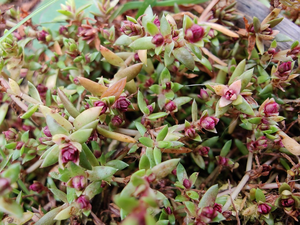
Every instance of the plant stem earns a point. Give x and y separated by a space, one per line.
242 183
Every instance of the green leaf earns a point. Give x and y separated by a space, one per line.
185 57
144 162
93 189
140 128
226 148
181 173
118 164
157 155
12 172
52 157
208 199
86 117
11 207
81 135
152 28
30 111
101 173
156 116
165 27
143 43
238 71
59 194
148 142
220 111
142 104
3 112
244 107
193 195
54 127
111 57
199 160
239 144
191 207
259 196
165 168
48 218
33 92
125 202
162 134
181 100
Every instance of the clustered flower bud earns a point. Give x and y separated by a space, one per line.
42 89
190 132
37 187
88 32
208 122
46 131
203 150
122 104
41 36
218 207
170 106
116 121
150 107
208 213
203 94
284 70
69 153
131 29
101 104
194 34
264 208
271 109
223 161
259 144
79 182
289 202
158 40
10 134
84 202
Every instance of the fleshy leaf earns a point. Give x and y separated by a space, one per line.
116 89
111 57
208 199
185 57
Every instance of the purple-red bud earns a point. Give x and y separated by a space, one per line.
264 208
10 134
41 36
63 30
4 185
208 122
203 151
174 172
19 145
209 212
46 131
218 207
116 121
84 202
150 107
151 178
79 182
158 40
187 183
285 67
190 132
223 161
194 34
289 202
122 104
69 153
156 22
203 94
168 86
170 106
168 210
271 109
37 187
101 104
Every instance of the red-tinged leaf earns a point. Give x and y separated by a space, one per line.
176 150
116 89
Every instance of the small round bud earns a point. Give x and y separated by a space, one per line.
158 40
194 34
170 106
187 183
264 208
37 187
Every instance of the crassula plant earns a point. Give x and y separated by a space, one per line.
165 114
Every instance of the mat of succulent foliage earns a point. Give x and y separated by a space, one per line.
169 115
